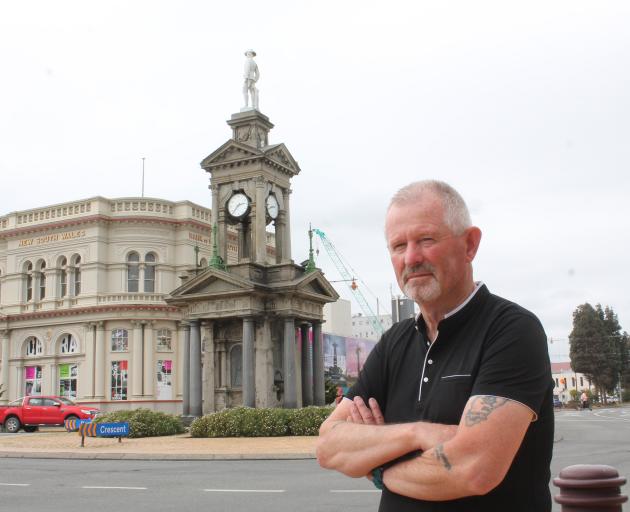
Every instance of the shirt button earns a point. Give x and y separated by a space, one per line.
426 379
430 361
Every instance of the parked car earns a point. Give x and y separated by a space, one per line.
556 402
30 412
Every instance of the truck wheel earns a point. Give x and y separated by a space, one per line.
72 417
31 428
12 425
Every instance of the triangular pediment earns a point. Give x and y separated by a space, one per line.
231 151
315 283
281 155
210 282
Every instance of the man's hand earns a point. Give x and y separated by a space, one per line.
364 415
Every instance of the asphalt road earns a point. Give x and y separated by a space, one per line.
598 437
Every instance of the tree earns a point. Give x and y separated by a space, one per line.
592 346
619 345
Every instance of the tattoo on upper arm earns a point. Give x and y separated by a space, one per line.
441 456
481 407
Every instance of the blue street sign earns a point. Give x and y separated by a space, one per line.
112 430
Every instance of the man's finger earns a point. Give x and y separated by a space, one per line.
354 412
364 410
376 412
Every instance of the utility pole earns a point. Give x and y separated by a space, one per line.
142 176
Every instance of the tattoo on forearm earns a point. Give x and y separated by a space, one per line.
441 456
481 407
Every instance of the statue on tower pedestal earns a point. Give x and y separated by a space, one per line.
250 77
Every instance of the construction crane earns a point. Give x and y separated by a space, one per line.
349 279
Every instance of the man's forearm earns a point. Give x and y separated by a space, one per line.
355 449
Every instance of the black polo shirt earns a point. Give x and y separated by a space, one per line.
489 347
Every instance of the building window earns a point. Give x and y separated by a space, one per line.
120 340
133 271
557 385
77 274
63 277
203 263
149 272
34 347
119 380
164 340
68 344
32 380
236 366
42 280
68 374
29 280
573 381
164 388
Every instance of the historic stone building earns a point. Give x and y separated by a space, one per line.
136 302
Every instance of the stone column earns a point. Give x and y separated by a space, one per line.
70 282
280 227
286 234
249 390
223 365
265 394
185 326
86 374
102 376
208 366
149 363
260 222
4 365
53 380
307 366
290 385
136 360
319 396
195 369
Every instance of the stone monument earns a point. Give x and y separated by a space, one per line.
244 316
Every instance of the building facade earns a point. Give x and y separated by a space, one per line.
82 310
565 380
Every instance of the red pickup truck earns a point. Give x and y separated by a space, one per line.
30 412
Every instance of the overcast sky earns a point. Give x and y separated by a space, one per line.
523 107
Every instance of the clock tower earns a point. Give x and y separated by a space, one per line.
250 181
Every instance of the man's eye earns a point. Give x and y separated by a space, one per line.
427 241
398 248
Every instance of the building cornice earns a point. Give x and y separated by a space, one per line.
60 313
95 219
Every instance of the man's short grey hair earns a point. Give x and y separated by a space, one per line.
456 215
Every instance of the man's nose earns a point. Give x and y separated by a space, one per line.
413 254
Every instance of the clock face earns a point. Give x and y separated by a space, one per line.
272 206
238 205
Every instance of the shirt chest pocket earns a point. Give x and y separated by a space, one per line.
454 392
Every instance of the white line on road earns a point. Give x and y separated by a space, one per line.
244 490
14 485
355 490
106 487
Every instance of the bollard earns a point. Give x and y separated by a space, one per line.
590 488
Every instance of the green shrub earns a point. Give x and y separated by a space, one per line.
145 423
248 422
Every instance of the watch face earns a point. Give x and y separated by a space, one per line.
238 205
272 206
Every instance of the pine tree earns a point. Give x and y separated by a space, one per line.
592 350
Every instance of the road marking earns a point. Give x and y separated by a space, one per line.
355 490
14 485
244 490
106 487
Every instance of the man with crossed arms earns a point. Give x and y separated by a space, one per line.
453 410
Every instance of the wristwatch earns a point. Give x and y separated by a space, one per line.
377 478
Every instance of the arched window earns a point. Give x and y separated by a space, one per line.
120 340
34 347
76 262
133 271
203 263
42 279
28 270
164 339
149 272
68 344
236 366
63 277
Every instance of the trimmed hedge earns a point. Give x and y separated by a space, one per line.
249 422
145 423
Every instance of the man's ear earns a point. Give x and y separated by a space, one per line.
472 238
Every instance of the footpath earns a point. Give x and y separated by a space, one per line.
60 444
